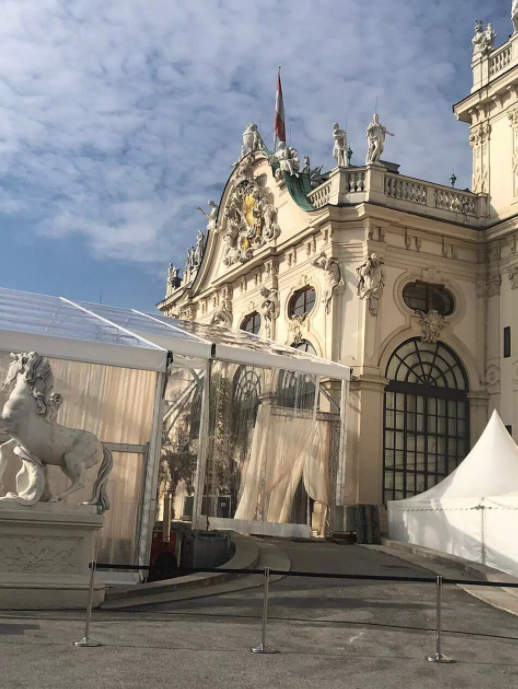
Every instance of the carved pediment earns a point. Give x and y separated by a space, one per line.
250 221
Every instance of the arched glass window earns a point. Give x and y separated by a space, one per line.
294 389
302 302
426 418
252 323
421 296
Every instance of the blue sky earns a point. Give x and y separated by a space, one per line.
119 117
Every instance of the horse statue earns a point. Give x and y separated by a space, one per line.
29 417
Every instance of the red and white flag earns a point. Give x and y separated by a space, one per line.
279 127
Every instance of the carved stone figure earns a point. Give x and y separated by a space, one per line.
287 158
37 440
172 273
483 41
250 221
376 134
371 281
199 249
295 329
432 324
332 277
223 316
252 141
269 308
307 165
514 15
340 147
212 215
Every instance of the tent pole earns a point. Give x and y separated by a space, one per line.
203 446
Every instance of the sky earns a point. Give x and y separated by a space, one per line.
119 117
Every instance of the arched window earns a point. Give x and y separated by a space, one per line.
297 390
421 296
426 419
302 302
252 323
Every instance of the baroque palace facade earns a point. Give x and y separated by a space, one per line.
412 284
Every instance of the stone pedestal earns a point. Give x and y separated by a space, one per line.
44 555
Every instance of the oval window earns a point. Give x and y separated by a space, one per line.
302 302
421 296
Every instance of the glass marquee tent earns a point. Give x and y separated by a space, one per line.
233 425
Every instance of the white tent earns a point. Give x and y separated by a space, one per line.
473 513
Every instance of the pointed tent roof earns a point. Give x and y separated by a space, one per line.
490 470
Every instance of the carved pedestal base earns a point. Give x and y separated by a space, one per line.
44 555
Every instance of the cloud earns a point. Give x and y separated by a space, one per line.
119 117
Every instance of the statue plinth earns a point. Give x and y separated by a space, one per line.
45 551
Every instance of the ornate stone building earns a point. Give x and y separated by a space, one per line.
412 284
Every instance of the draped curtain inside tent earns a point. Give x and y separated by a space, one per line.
116 404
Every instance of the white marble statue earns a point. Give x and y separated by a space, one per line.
199 249
252 141
269 308
307 165
212 215
37 440
332 277
376 134
340 147
287 158
514 15
483 41
172 273
371 281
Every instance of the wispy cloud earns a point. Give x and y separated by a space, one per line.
119 117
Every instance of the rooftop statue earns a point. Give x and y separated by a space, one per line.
252 141
514 15
29 417
340 147
483 41
212 215
288 159
376 134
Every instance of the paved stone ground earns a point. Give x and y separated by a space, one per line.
330 634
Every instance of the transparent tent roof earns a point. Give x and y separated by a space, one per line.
59 327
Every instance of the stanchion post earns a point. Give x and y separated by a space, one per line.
438 656
86 641
263 646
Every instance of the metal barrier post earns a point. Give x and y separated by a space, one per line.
438 657
86 641
263 646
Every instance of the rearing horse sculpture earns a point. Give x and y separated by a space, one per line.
28 417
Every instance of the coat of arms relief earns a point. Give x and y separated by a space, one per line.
250 221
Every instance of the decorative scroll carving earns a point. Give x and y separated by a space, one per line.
36 555
479 141
432 324
493 375
269 308
371 281
251 221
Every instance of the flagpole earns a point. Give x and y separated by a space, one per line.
275 140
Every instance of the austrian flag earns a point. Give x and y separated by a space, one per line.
279 124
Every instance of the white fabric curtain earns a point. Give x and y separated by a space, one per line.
116 404
286 447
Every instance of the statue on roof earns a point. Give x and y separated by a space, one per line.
252 141
483 41
288 159
376 134
514 15
212 215
199 249
340 147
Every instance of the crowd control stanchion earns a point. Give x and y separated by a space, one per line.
263 646
438 657
86 641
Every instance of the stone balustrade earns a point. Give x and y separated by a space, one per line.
500 59
374 183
